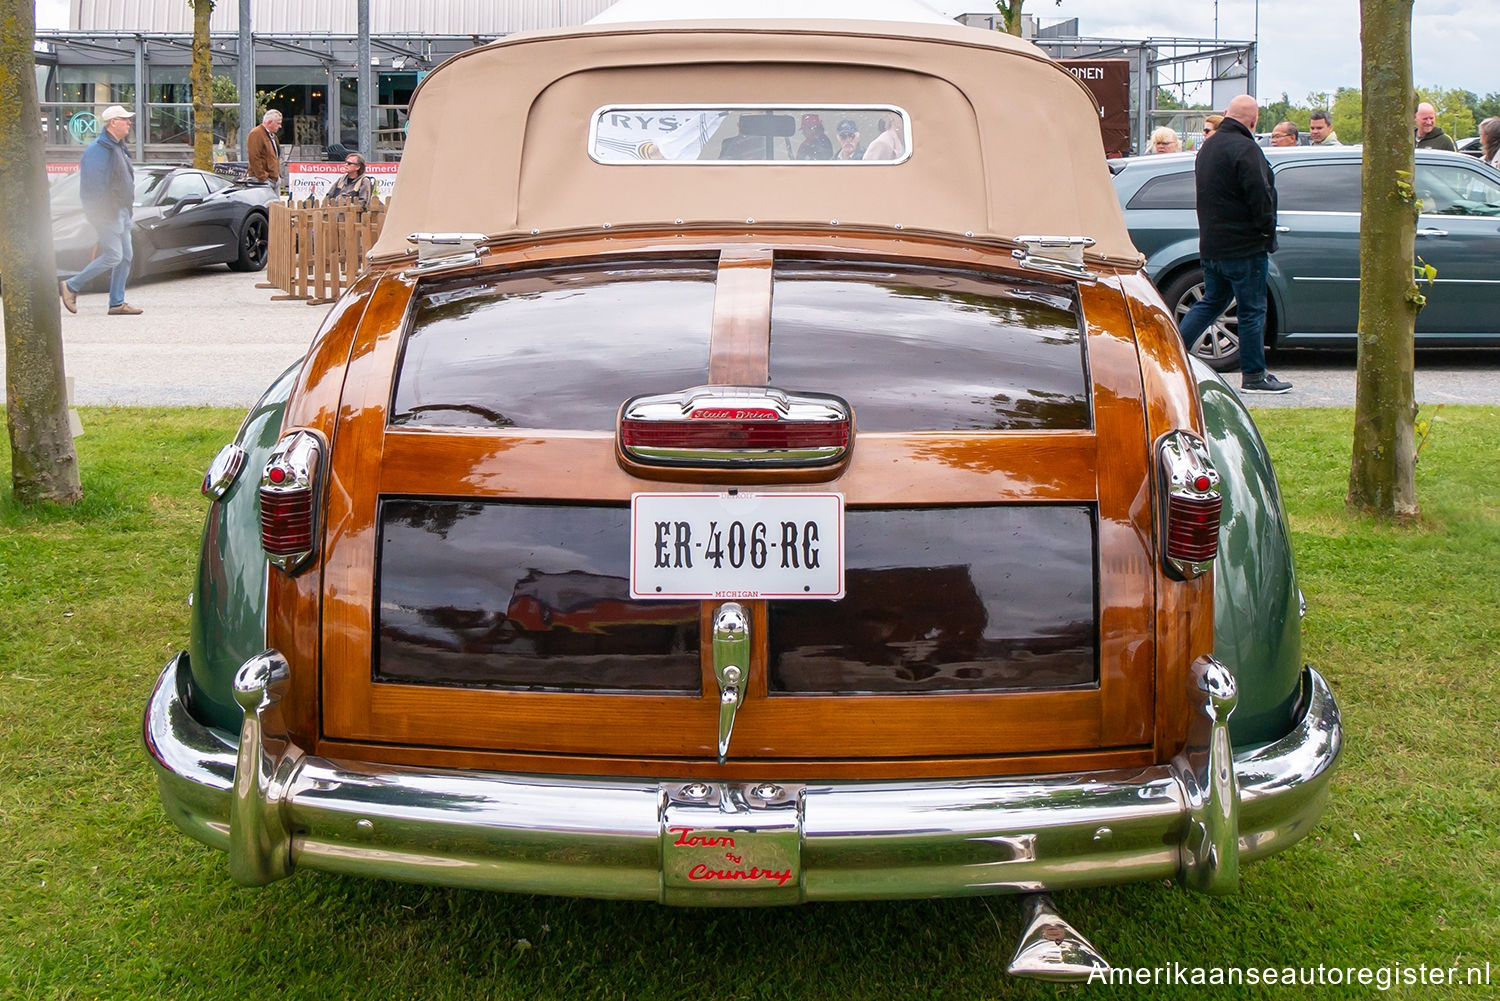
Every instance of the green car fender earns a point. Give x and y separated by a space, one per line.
228 623
1257 605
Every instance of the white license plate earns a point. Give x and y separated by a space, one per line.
741 545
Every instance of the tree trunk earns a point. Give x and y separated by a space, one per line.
1010 15
1382 472
203 86
43 463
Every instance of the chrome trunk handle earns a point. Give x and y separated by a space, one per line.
731 665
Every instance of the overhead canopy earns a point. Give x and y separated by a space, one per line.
1003 142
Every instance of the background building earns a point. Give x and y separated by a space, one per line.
305 60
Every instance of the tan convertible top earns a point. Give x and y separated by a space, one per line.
1003 141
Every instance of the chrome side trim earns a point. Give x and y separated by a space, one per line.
608 837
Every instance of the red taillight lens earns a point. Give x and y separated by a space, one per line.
288 500
695 434
736 427
1193 527
1188 504
286 522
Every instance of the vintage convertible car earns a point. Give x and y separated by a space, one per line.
669 515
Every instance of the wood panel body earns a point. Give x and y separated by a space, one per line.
347 399
293 602
1184 609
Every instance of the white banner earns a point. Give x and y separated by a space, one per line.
623 136
311 180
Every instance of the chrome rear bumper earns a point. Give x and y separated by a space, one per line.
274 809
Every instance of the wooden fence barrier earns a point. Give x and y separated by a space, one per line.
316 251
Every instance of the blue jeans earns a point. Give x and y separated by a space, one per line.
114 256
1243 280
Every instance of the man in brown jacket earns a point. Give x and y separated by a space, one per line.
265 151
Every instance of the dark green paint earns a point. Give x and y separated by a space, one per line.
229 597
1257 614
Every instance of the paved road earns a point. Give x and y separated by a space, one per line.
1326 378
207 337
212 337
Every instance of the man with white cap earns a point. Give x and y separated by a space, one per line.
106 185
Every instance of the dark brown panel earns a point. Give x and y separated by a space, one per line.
523 597
927 348
945 600
554 347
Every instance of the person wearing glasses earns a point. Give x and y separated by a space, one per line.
355 187
1211 125
1285 134
849 145
1164 140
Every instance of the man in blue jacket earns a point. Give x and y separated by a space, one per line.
106 185
1236 236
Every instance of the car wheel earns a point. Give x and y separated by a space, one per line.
253 242
1219 344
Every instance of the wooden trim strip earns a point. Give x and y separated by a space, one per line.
925 726
862 769
739 352
885 468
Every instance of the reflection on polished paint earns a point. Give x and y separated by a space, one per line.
949 599
524 597
930 350
554 348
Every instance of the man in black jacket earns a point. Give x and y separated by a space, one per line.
1236 236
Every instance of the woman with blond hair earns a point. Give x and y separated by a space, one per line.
1164 140
1211 124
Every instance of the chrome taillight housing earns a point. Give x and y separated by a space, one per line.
1188 504
288 500
223 472
736 427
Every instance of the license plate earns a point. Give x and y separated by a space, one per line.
741 545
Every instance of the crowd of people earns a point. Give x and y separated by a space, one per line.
1427 134
1236 206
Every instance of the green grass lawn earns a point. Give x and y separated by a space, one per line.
101 897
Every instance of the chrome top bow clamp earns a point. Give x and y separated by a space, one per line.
445 250
731 665
1056 255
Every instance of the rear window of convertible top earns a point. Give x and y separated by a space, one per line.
910 347
843 134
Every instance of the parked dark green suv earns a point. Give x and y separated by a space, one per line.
1314 276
